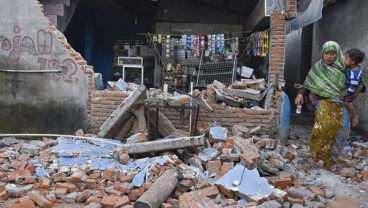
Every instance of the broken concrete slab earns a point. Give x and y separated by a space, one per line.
245 182
9 141
111 127
218 133
240 130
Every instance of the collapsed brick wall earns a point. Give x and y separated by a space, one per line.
227 118
103 104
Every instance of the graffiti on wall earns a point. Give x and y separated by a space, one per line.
40 48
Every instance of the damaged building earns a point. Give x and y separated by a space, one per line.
160 103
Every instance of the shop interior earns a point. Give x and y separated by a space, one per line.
178 42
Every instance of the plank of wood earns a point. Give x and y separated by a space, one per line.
111 127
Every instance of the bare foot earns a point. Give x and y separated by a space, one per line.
354 121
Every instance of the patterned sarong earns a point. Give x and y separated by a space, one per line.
330 131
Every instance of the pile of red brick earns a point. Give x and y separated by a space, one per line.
21 186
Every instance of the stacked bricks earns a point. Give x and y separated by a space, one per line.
277 48
103 104
291 9
228 117
91 86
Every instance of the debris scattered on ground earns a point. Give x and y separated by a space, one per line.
233 171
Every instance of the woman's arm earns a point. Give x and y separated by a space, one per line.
299 100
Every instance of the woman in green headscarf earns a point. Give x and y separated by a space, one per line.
326 80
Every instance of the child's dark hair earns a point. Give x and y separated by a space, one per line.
356 55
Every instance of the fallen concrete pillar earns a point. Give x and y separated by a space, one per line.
162 145
159 191
112 126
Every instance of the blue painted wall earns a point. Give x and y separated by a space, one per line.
93 29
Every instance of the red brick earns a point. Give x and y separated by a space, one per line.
58 177
3 196
165 205
94 175
25 203
225 168
227 192
124 200
298 184
115 201
181 189
45 183
344 202
24 157
90 183
61 192
202 185
71 187
29 180
93 199
109 201
109 174
39 199
283 182
183 202
12 176
146 186
115 192
210 192
75 177
364 173
2 187
125 187
18 164
135 194
250 204
296 201
173 202
317 190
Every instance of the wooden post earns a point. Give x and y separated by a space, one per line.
159 191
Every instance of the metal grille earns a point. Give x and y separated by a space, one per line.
217 67
210 65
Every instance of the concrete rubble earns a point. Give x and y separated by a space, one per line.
228 171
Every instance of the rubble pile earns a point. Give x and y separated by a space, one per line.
224 168
247 93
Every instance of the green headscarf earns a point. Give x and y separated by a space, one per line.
327 80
